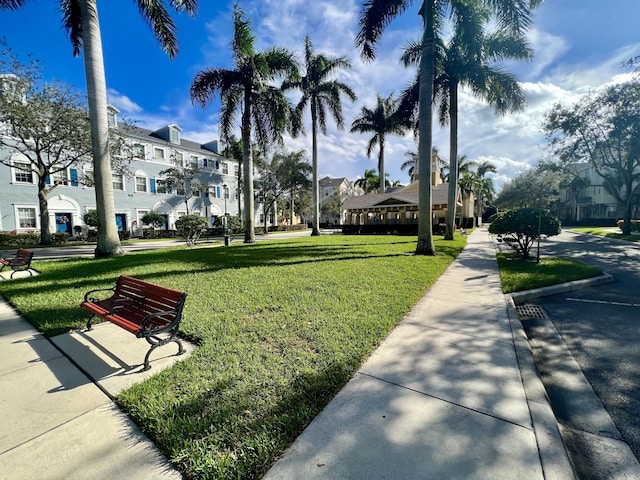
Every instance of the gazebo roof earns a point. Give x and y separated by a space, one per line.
404 197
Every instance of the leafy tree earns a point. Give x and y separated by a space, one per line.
80 20
375 16
191 226
323 97
291 173
153 219
45 129
265 110
331 209
381 121
530 188
604 129
520 227
182 178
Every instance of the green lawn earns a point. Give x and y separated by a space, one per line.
605 232
518 274
281 326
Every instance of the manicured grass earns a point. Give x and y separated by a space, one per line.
605 232
281 325
518 274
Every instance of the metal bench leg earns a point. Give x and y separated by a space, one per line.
89 322
160 343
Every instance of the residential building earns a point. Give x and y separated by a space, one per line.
144 189
587 199
333 192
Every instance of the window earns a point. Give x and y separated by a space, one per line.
27 217
158 153
236 170
161 185
194 161
212 191
22 172
225 168
111 118
59 178
179 158
141 184
138 150
118 183
174 135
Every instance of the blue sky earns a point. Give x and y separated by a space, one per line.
579 45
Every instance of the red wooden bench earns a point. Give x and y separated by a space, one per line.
21 261
146 310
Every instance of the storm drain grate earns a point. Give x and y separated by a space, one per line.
528 310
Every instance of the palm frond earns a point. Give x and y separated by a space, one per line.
374 17
72 23
157 17
12 4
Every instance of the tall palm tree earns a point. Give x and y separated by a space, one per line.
80 20
411 164
375 16
467 59
322 95
381 121
265 109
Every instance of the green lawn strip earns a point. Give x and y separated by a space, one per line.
605 232
518 274
281 325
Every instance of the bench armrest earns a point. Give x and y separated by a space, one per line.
89 297
144 326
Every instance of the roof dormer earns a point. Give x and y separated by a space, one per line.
170 133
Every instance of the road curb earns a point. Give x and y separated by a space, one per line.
554 457
519 297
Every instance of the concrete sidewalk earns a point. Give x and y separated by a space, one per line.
452 393
59 422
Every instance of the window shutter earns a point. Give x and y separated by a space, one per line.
152 185
47 179
73 174
218 192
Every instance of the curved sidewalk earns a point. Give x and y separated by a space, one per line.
452 392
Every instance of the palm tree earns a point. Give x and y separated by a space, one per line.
265 109
467 60
368 182
80 20
381 121
234 151
323 96
485 187
375 16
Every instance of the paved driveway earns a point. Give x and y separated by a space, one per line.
601 325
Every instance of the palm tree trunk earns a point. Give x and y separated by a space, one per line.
453 160
315 194
247 166
108 244
381 164
425 245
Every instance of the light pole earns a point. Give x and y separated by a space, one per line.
225 193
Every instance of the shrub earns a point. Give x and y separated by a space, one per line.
635 225
191 227
153 219
14 239
520 227
91 218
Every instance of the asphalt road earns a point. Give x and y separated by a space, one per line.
601 325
